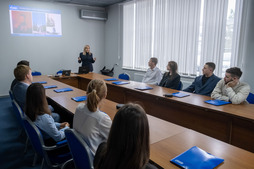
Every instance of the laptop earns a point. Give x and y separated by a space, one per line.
83 70
66 73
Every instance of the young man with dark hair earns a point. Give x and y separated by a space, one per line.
230 88
204 84
22 62
153 74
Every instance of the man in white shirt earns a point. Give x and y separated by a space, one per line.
153 74
230 88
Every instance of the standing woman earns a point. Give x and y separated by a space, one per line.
171 79
37 110
89 121
86 57
128 142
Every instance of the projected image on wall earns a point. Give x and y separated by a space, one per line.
34 22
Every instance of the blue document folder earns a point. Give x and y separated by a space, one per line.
178 94
111 79
79 99
50 86
144 88
41 82
63 90
120 82
217 102
196 158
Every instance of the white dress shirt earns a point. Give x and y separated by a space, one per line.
93 126
152 76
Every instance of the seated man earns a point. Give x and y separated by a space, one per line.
204 84
230 88
22 62
24 77
153 74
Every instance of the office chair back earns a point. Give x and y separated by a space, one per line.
250 98
180 86
36 139
80 151
11 94
18 112
35 73
124 76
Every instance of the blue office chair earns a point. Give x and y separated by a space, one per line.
20 115
59 72
11 94
51 160
180 86
35 73
80 151
250 98
124 76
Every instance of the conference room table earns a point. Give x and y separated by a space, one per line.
167 140
233 124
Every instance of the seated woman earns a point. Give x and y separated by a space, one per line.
128 143
38 111
89 121
171 79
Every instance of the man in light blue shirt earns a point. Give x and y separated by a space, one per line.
153 74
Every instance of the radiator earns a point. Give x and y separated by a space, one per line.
138 77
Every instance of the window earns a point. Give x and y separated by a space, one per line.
190 32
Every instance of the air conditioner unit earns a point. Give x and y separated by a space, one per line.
91 14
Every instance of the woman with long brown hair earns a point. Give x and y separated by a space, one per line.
89 121
38 111
128 143
171 79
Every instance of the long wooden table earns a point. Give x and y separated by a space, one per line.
167 140
233 124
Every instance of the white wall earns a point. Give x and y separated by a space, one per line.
49 54
112 31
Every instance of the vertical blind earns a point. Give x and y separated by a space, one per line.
190 32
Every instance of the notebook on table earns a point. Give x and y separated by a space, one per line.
50 86
120 82
144 88
41 82
196 158
79 98
179 94
63 90
217 102
111 79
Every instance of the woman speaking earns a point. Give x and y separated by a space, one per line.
86 57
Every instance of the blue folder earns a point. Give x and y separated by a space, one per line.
196 158
120 82
63 90
79 99
41 82
50 86
144 88
111 79
217 102
179 94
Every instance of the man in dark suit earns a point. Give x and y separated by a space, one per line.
204 84
23 75
22 62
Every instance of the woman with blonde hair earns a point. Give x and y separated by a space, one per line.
171 79
89 121
86 57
